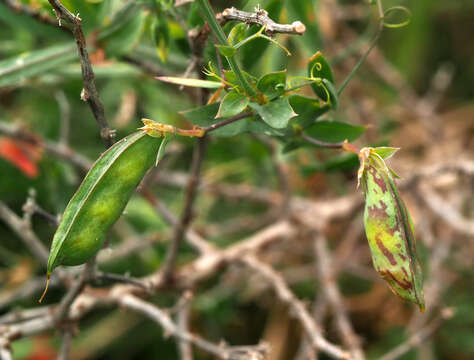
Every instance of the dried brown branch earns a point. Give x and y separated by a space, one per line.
296 306
446 211
5 350
225 122
23 230
64 115
23 315
260 17
185 350
41 16
124 279
420 336
320 143
437 280
65 348
136 304
325 266
181 227
282 178
31 208
194 272
89 92
63 310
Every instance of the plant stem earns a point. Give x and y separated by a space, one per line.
221 38
369 50
225 122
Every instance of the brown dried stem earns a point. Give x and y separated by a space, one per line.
40 16
420 336
325 268
297 308
89 92
187 215
260 17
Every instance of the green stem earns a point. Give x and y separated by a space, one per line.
369 50
221 38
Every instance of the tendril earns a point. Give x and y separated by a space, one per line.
318 66
402 9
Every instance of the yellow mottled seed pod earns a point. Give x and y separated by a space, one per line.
389 228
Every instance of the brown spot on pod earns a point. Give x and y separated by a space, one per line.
387 274
385 251
377 178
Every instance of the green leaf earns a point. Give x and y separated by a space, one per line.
232 79
334 131
226 50
190 82
161 149
255 125
308 110
206 115
304 11
385 152
107 70
344 162
237 34
161 37
124 38
26 65
232 104
273 84
277 113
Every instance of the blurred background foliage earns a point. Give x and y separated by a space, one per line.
126 49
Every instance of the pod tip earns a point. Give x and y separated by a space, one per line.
45 288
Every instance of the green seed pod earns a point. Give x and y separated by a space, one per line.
101 198
389 228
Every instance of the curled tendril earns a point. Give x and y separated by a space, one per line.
402 9
295 86
259 34
318 66
321 84
288 53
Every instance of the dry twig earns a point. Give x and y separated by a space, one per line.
186 217
89 92
260 17
420 336
296 306
325 269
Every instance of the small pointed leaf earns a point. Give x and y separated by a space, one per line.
207 84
